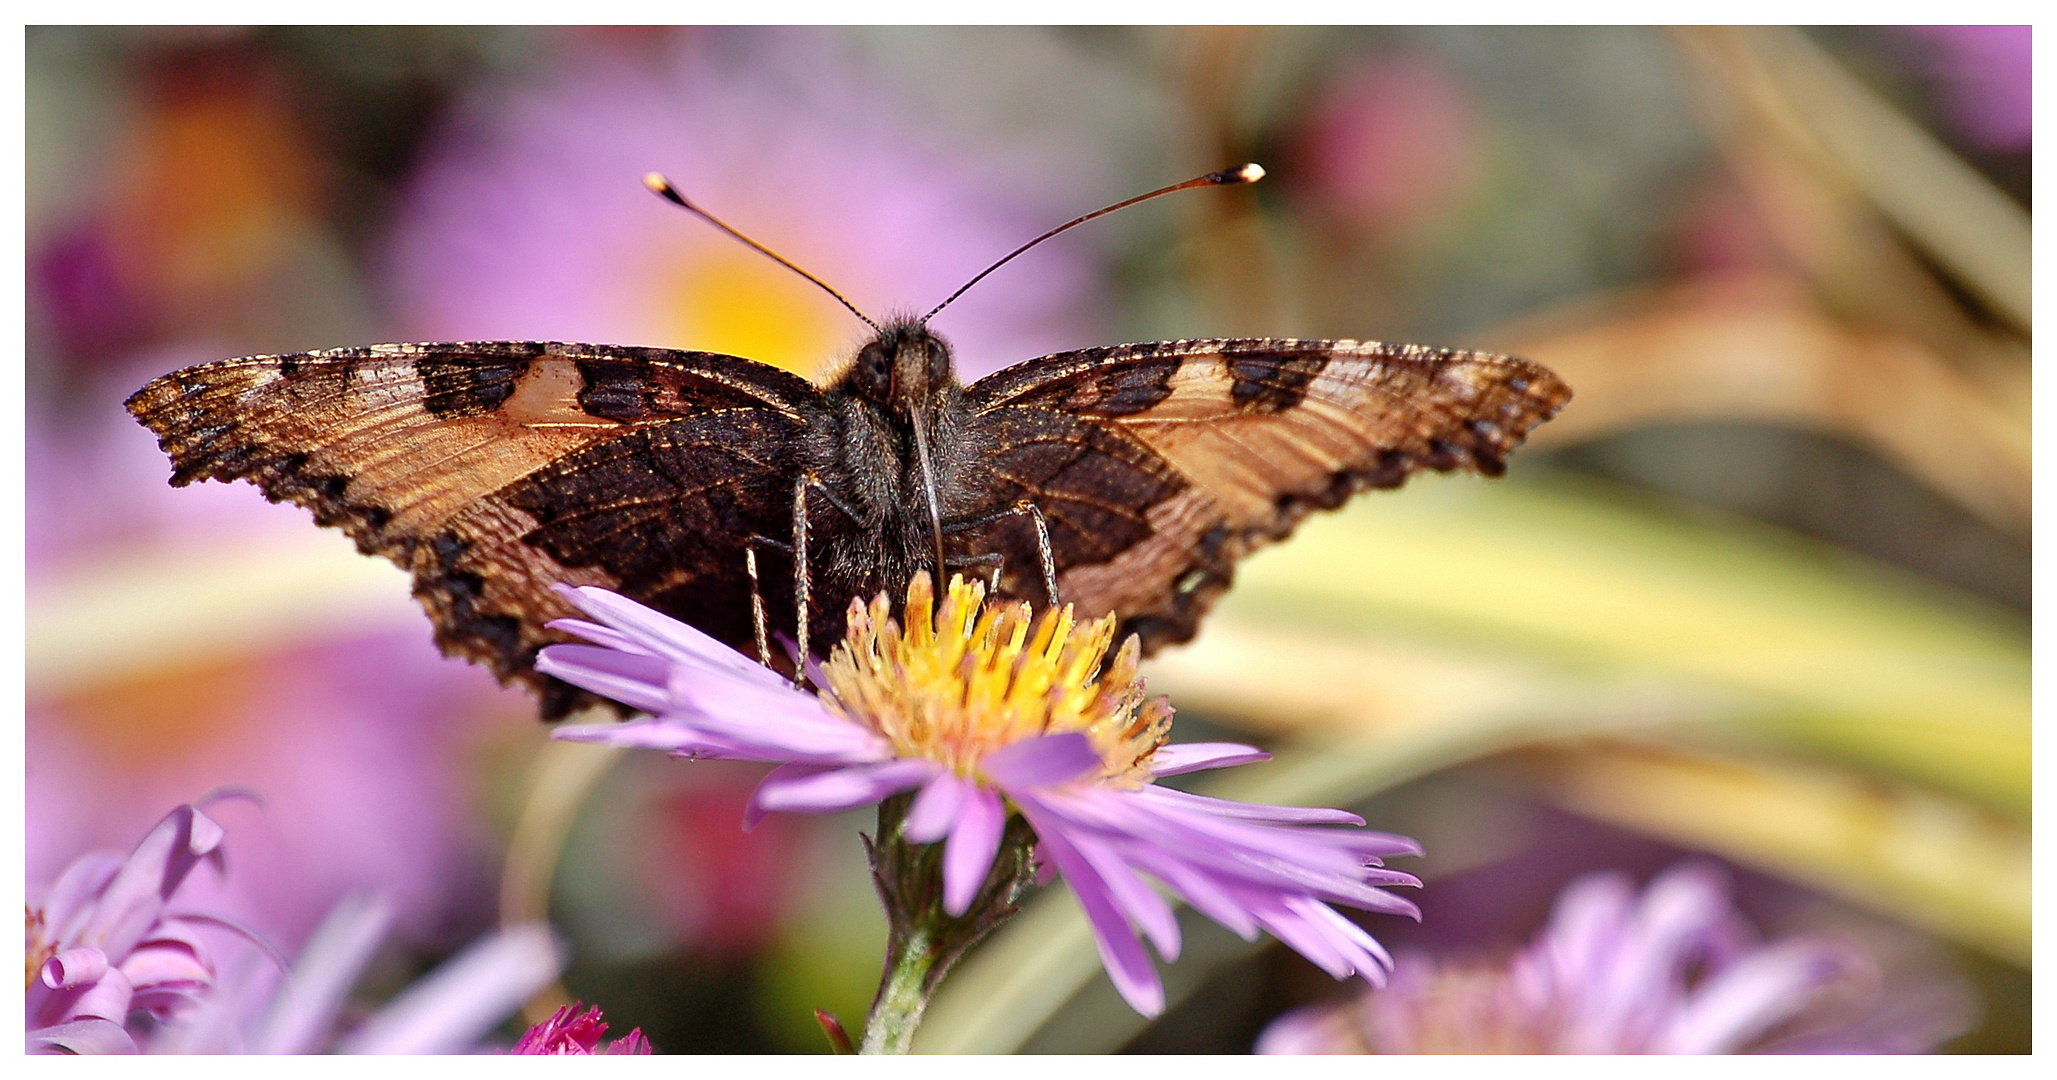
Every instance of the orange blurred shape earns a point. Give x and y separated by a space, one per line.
219 183
148 721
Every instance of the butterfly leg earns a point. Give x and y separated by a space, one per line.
992 558
802 579
1035 515
756 604
1022 508
800 574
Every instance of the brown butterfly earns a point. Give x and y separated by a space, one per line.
1125 479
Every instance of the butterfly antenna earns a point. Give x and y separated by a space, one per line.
1241 174
658 184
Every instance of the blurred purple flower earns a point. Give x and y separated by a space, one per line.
1987 81
363 779
528 218
252 1011
957 708
102 943
572 1031
1676 970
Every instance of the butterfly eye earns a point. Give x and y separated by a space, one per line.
874 373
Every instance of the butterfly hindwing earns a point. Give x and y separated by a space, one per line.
493 470
1249 436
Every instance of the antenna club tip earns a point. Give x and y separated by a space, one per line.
1241 174
657 183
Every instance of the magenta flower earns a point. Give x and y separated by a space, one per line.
570 1031
1675 970
984 714
102 943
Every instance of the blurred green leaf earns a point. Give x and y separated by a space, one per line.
1842 655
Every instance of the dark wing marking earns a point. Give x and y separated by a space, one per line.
1254 434
493 470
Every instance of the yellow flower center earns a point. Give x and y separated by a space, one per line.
39 951
972 677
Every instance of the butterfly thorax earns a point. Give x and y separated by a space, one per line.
898 460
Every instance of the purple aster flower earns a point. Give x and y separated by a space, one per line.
102 942
1674 970
982 712
572 1031
252 1010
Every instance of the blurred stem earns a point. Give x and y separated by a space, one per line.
561 778
1958 218
924 942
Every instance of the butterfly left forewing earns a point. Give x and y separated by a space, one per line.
1254 434
493 470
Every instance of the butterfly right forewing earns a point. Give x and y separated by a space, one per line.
1244 438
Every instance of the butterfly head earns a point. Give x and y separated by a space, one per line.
901 370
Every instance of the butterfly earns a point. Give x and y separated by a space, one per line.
727 493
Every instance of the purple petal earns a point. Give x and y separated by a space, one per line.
1754 995
781 722
167 963
1584 923
968 857
1044 761
1122 955
74 967
935 810
90 1036
841 789
1299 815
1371 959
1677 913
665 636
754 812
639 734
204 835
824 741
106 997
1136 899
1198 888
603 636
1277 856
640 682
70 899
135 897
451 1008
1176 758
304 1010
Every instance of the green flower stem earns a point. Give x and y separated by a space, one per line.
923 941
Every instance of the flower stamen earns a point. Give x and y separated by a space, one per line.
951 683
